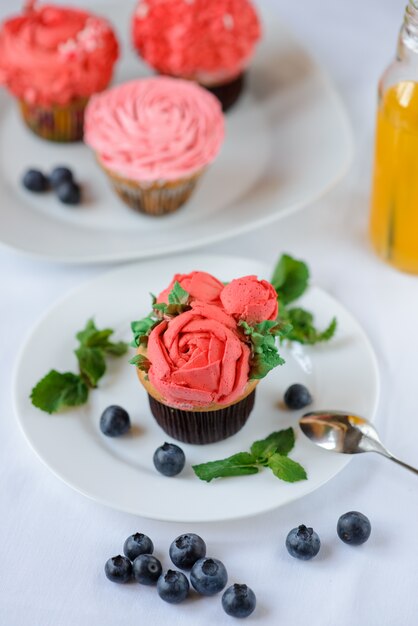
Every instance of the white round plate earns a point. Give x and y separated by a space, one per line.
119 472
287 142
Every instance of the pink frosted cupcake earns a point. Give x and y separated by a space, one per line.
202 351
211 42
154 138
52 59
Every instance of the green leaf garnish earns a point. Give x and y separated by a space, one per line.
178 295
141 362
141 330
240 464
286 469
303 329
269 452
91 363
281 442
264 354
58 390
290 278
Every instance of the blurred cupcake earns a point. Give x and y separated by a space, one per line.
52 59
200 363
211 42
154 138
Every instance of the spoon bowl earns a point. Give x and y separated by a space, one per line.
346 433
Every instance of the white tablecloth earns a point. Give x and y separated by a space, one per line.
54 542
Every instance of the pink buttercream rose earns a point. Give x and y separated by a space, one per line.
250 299
199 285
198 358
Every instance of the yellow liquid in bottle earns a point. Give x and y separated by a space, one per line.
394 210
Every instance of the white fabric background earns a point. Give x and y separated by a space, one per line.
54 542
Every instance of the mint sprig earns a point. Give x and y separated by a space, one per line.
290 280
270 452
178 302
264 353
58 390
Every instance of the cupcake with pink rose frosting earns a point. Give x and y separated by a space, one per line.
202 351
52 59
211 42
154 138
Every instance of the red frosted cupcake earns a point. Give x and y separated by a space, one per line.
52 59
211 42
202 351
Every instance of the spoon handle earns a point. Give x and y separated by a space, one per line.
405 465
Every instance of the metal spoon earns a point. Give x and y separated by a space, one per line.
342 432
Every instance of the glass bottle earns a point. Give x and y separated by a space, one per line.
394 204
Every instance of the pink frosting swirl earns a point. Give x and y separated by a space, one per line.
51 55
250 299
199 285
155 129
197 358
211 41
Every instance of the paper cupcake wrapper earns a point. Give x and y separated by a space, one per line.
201 427
154 198
228 93
55 123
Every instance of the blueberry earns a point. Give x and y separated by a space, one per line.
34 180
186 550
354 528
69 192
147 569
239 601
118 569
297 397
60 175
303 543
137 544
114 421
208 576
173 587
169 459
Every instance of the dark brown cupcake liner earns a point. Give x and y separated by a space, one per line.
228 93
55 123
154 199
201 427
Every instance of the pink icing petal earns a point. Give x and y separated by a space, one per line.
205 378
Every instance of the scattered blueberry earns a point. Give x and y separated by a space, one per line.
147 569
173 587
69 192
60 175
297 396
137 544
239 601
118 569
169 459
34 180
114 421
208 576
354 528
186 550
303 543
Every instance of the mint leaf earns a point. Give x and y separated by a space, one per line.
178 295
264 355
116 349
141 362
141 330
92 337
303 328
91 363
286 469
57 390
263 362
281 442
290 278
240 464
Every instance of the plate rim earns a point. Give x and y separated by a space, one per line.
169 518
